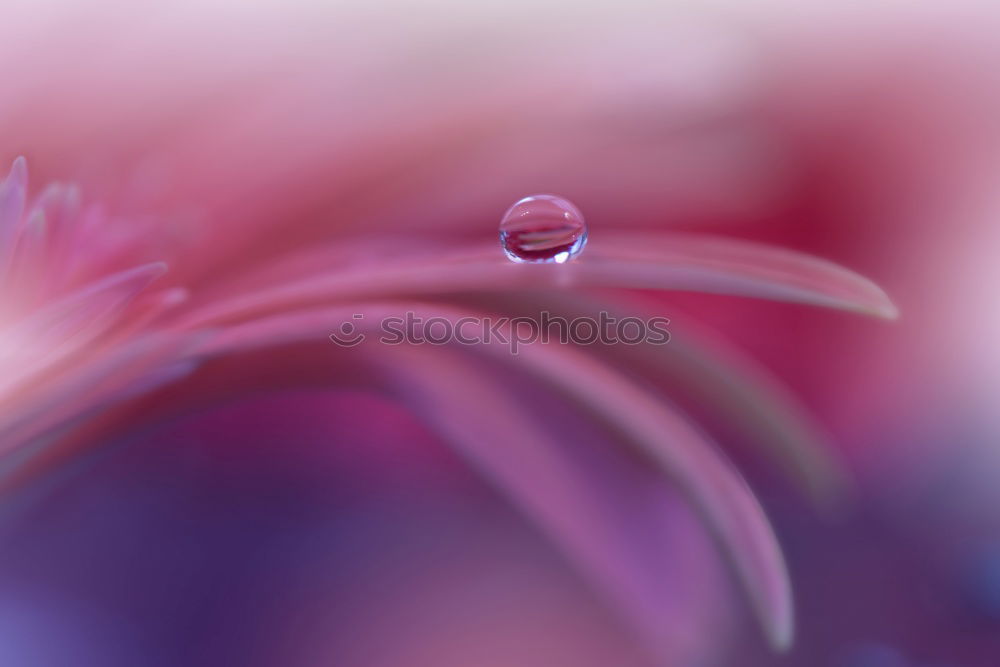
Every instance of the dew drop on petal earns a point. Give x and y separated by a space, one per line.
543 228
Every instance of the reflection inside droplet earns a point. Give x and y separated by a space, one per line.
543 228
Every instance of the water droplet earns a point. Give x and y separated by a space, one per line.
543 228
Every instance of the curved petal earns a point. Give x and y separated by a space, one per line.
140 365
24 277
713 376
664 262
710 482
735 388
59 330
94 300
607 512
13 194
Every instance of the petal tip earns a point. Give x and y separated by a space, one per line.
782 636
17 177
884 307
18 171
155 269
778 622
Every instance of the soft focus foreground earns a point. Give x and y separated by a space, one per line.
194 475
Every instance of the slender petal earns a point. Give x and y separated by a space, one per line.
603 509
97 383
60 204
60 329
24 279
13 193
91 302
676 262
698 367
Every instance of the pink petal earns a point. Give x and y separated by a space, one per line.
710 482
663 262
605 510
90 304
61 329
61 207
13 193
94 384
714 377
24 276
735 388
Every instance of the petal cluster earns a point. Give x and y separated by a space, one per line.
84 326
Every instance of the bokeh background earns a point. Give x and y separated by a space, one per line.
271 509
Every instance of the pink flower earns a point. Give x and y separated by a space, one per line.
77 311
86 326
